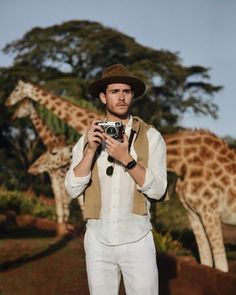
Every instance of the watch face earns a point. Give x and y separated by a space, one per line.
131 164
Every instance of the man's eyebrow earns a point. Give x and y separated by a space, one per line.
114 89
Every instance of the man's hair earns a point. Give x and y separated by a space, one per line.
103 89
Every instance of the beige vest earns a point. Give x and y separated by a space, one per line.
92 194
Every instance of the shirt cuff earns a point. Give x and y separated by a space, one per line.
147 183
75 180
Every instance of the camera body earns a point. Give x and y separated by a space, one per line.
114 129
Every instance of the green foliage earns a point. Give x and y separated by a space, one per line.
18 149
57 126
44 211
165 243
171 224
231 252
231 141
171 215
20 203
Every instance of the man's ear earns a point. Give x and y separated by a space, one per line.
102 97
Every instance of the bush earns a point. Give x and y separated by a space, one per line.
21 204
44 211
170 215
165 243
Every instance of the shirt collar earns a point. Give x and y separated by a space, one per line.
128 126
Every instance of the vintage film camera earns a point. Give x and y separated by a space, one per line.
114 129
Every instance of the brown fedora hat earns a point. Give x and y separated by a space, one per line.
116 73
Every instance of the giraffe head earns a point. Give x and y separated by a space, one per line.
21 91
52 160
24 109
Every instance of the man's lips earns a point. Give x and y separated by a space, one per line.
121 105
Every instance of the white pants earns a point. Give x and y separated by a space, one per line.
136 261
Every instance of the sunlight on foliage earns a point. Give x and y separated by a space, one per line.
20 204
165 243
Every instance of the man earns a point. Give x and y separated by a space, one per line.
118 177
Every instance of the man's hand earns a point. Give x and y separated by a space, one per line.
95 135
118 150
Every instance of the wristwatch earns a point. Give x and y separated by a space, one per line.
131 164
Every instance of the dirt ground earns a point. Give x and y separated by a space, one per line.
39 266
39 263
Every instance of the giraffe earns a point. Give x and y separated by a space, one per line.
75 116
25 108
206 170
56 162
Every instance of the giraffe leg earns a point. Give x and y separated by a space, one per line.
212 224
201 238
59 208
66 210
81 204
61 224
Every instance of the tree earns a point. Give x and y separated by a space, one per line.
76 51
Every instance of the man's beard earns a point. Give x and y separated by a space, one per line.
121 116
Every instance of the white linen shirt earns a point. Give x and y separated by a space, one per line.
117 224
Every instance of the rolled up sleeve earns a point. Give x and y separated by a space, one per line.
75 186
155 182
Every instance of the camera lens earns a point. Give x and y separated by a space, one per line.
112 131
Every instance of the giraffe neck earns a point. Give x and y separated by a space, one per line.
48 138
75 116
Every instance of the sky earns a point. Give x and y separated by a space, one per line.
202 32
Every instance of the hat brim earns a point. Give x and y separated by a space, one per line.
137 85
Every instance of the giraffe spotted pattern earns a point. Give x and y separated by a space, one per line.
206 170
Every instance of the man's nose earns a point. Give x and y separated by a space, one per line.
122 95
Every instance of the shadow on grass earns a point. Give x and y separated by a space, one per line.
25 233
11 264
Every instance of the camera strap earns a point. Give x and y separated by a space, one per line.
131 137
